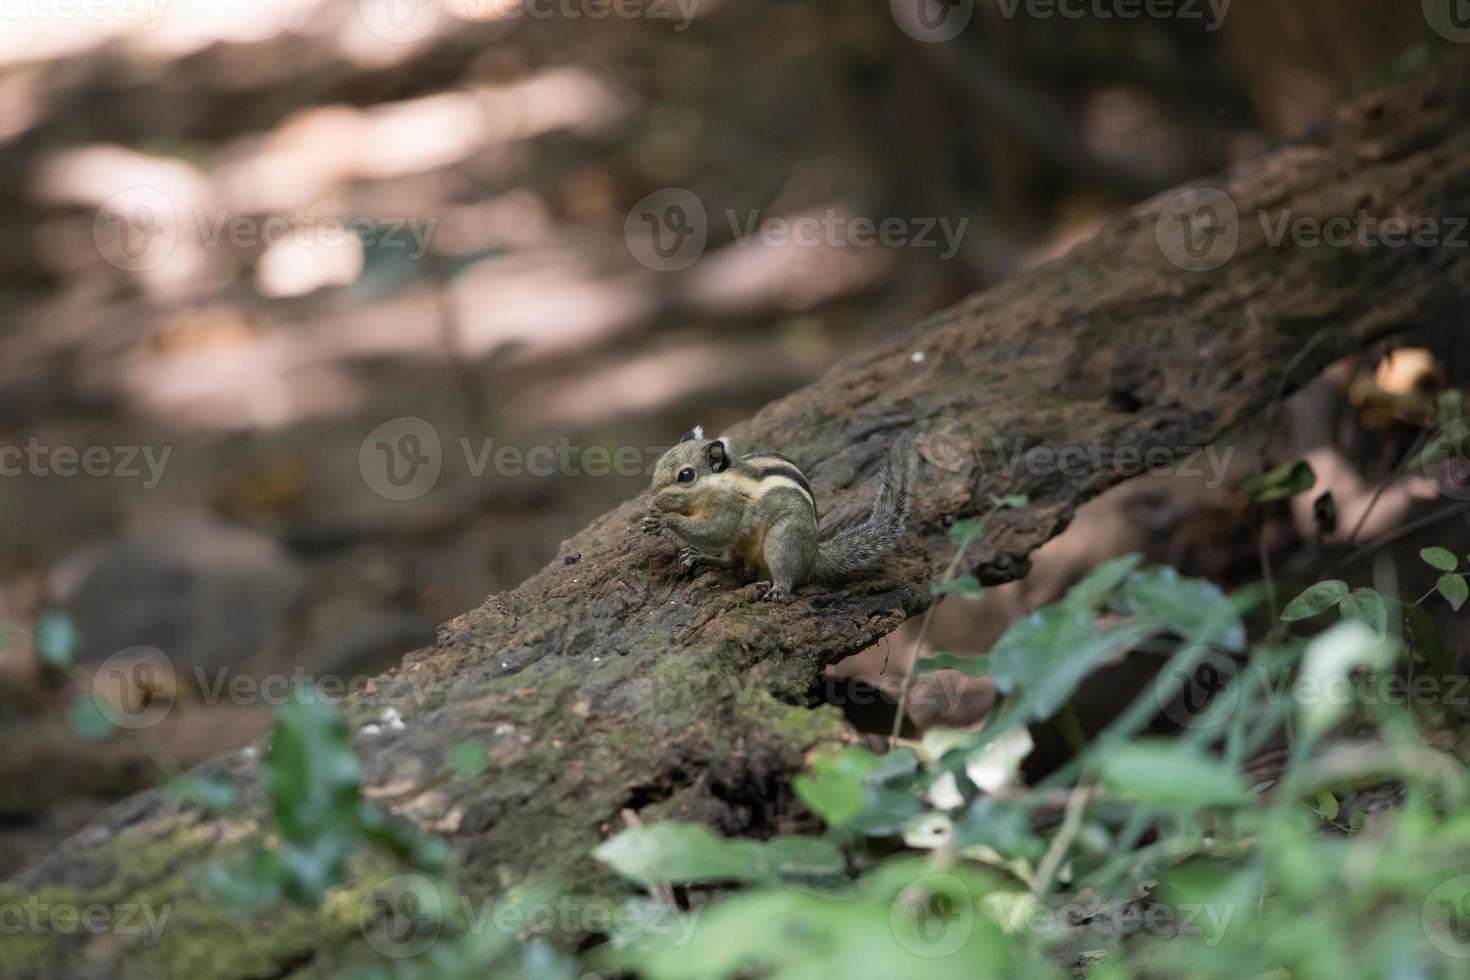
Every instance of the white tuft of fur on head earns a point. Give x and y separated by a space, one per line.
698 431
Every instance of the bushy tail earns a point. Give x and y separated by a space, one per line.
856 547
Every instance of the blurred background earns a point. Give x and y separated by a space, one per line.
251 251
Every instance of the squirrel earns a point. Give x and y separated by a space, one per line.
757 512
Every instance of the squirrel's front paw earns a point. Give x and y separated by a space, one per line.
773 593
651 524
689 559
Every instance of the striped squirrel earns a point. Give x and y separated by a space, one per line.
757 512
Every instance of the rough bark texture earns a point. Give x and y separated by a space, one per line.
611 683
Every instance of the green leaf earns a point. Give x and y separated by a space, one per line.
965 532
215 792
1102 582
1017 501
1047 654
1331 657
88 720
1441 558
314 783
468 759
1447 444
1315 601
57 640
1193 608
1455 590
1282 483
1001 825
970 666
1168 772
967 586
1326 805
903 919
1368 607
680 853
851 790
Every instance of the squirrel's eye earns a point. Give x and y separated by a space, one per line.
686 475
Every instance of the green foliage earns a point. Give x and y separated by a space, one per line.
1454 589
1315 601
88 720
1440 558
1170 772
967 532
1282 483
1275 880
313 783
468 760
903 919
966 586
862 793
56 641
683 853
938 861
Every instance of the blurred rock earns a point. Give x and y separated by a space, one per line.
205 593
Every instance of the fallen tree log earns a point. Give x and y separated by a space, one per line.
609 683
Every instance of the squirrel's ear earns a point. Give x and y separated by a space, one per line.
695 433
719 459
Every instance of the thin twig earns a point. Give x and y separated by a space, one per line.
1071 824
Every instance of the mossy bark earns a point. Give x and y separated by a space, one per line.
613 684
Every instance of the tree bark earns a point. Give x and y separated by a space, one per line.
611 683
